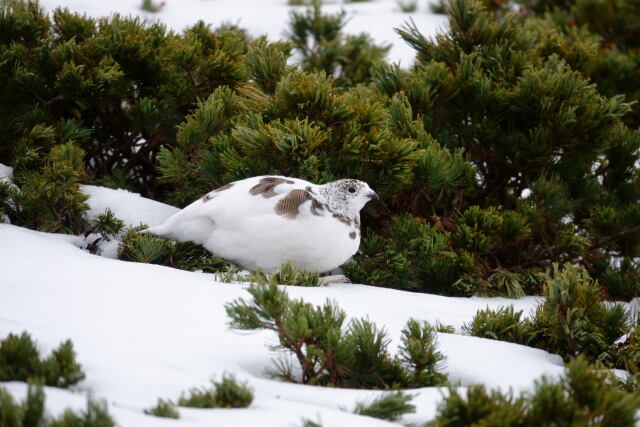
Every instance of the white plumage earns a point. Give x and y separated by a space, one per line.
265 221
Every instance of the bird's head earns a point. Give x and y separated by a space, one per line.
347 196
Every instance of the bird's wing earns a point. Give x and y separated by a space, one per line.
230 205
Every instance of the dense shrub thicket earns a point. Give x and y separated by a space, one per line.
115 87
495 154
505 148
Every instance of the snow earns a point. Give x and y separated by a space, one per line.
131 208
271 17
6 173
145 331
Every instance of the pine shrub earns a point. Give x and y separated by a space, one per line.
551 155
198 398
48 198
390 406
116 87
629 352
20 358
286 275
164 409
425 256
21 361
307 128
418 352
31 412
146 248
407 6
504 149
96 415
504 324
480 407
573 318
330 352
61 368
231 394
319 42
227 393
585 395
306 422
107 225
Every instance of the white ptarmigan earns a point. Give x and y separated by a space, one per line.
265 221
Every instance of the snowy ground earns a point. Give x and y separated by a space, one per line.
145 331
271 17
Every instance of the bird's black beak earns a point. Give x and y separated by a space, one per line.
374 196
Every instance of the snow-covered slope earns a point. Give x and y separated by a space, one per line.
146 331
271 17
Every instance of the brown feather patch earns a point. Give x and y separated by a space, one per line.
224 187
343 219
266 186
316 206
209 196
289 205
353 235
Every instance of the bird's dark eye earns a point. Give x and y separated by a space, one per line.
352 190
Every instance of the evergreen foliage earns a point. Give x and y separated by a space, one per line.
306 422
390 406
48 197
330 352
227 393
503 324
487 87
572 320
20 358
318 40
583 396
414 254
113 86
21 361
198 398
107 225
146 248
418 351
96 415
28 413
286 275
61 368
164 409
231 394
307 128
495 193
507 147
31 412
407 6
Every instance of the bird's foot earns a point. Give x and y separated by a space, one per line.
336 278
